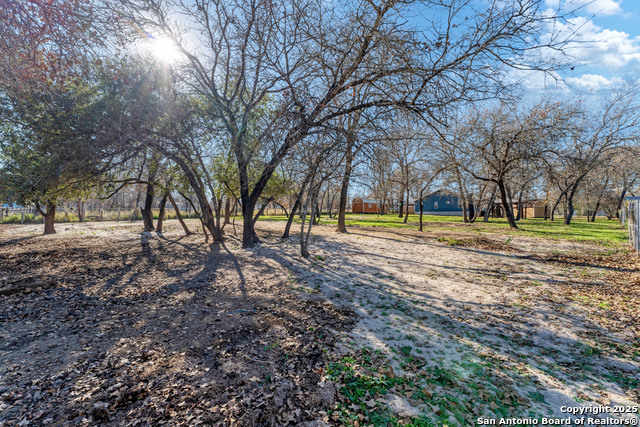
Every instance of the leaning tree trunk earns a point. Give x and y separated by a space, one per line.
163 203
287 228
508 209
193 207
593 217
619 202
492 199
147 215
296 207
555 206
342 209
179 215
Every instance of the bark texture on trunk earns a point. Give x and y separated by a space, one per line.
508 208
567 219
249 236
287 228
161 213
570 210
147 215
342 209
49 219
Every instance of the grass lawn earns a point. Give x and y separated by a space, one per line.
603 231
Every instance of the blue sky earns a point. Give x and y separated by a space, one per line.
606 48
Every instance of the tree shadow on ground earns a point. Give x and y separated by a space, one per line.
142 330
543 346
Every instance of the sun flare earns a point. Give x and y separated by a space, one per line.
164 50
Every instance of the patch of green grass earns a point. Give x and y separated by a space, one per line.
625 381
603 231
406 350
451 241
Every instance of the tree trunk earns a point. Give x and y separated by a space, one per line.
287 229
249 236
147 215
593 217
304 237
619 204
342 209
465 218
179 215
400 210
508 209
163 203
262 209
227 211
193 207
49 219
421 208
567 219
80 210
519 215
134 214
555 206
477 206
406 215
489 207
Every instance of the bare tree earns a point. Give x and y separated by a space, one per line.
595 134
503 139
315 54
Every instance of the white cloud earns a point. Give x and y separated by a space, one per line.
596 46
600 7
593 82
593 7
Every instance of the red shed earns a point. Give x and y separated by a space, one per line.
367 206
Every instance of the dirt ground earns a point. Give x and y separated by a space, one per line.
101 324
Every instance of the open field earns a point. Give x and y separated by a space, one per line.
602 231
382 326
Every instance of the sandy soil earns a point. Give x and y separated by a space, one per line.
103 324
553 323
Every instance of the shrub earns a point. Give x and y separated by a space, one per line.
28 219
